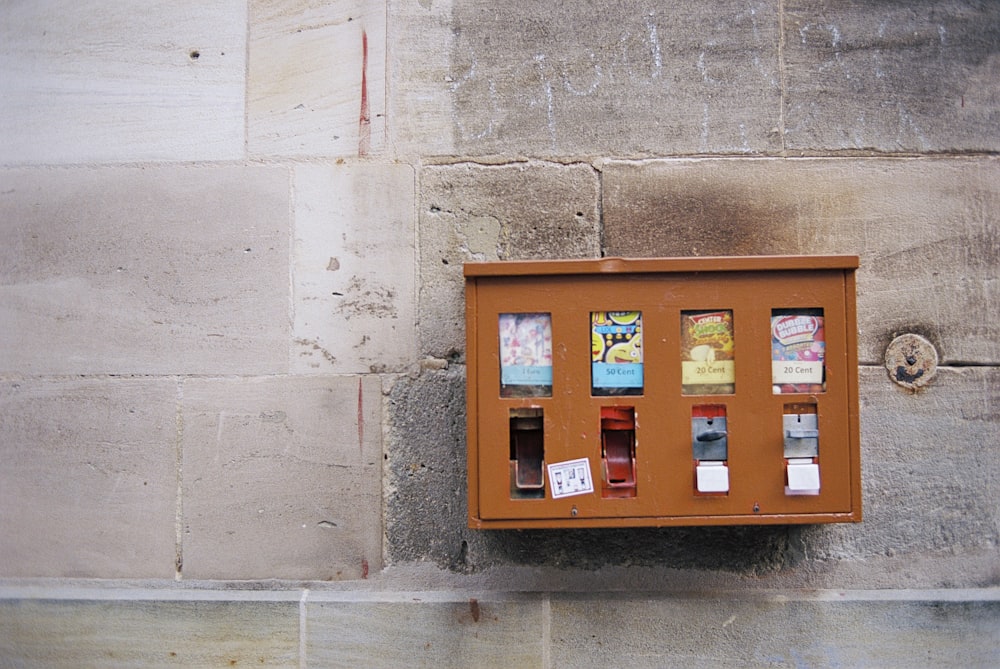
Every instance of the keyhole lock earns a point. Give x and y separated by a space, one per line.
911 361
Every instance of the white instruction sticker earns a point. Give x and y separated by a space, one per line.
570 478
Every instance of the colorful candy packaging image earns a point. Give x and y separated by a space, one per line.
798 347
526 353
616 351
708 364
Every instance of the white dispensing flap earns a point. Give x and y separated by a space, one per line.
803 477
712 476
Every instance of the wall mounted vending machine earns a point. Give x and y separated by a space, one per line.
676 391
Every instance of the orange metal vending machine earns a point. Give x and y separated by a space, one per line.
675 391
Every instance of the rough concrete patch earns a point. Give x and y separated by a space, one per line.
425 465
479 238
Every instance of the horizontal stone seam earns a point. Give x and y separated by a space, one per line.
252 161
541 161
147 165
491 161
598 160
953 365
961 364
13 376
310 596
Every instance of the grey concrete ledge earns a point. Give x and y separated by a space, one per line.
215 591
159 623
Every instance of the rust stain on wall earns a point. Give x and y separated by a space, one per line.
474 609
361 417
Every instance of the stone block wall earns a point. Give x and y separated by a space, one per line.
232 402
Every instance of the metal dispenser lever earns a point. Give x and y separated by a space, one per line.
801 450
710 449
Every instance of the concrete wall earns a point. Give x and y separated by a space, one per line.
231 344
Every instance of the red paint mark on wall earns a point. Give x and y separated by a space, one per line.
361 417
365 122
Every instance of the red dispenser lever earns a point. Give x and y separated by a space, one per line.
618 451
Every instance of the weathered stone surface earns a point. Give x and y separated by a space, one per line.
98 82
929 477
159 270
426 632
354 269
594 628
913 76
317 78
505 212
282 477
927 231
124 633
88 484
927 485
590 78
420 34
602 631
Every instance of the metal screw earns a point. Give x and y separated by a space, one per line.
573 512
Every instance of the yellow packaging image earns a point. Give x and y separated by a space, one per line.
708 365
616 352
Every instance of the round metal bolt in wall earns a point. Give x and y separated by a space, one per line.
911 360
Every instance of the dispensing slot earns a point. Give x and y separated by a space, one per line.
527 448
710 448
800 427
618 451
